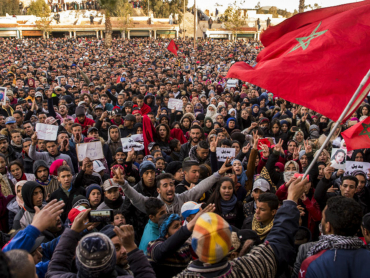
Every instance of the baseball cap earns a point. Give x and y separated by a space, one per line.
99 106
38 94
109 183
10 120
130 117
117 112
98 166
92 129
91 84
366 221
57 88
81 102
261 184
189 208
151 145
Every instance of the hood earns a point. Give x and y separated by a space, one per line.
109 140
188 115
38 164
193 155
27 192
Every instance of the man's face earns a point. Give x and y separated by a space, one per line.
62 137
37 197
56 225
173 228
81 119
17 138
28 128
65 178
10 127
42 173
2 120
114 134
140 102
18 118
158 215
26 146
42 118
52 148
76 130
348 188
195 135
4 146
120 157
119 220
95 198
192 176
121 253
41 145
94 134
361 183
149 178
167 190
263 213
142 90
62 110
202 153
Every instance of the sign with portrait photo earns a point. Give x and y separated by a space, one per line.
3 95
338 158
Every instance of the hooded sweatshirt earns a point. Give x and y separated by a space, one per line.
51 184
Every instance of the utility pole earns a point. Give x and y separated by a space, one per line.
195 22
183 21
148 7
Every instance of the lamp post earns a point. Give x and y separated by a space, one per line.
195 22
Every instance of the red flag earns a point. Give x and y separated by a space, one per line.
358 136
173 47
316 59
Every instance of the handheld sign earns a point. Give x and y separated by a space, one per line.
129 143
3 95
232 83
224 153
173 102
47 132
355 166
338 158
92 150
138 137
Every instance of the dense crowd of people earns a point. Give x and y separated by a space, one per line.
177 207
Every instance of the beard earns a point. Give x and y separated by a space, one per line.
288 175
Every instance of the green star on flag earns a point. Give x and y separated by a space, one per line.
304 42
365 130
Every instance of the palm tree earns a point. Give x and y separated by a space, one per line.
301 6
108 6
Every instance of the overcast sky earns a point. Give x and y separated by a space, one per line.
290 5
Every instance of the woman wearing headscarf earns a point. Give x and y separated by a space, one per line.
208 125
186 121
211 111
255 110
16 204
230 125
299 138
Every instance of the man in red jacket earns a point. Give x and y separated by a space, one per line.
81 118
144 108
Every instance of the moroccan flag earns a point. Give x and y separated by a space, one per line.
358 136
316 59
172 47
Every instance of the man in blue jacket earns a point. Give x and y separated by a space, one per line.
338 250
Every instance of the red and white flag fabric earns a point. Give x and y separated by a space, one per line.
316 59
173 47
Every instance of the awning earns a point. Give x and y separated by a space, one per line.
163 32
8 33
139 33
35 33
245 35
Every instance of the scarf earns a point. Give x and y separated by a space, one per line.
44 183
6 190
335 242
114 204
261 231
23 178
227 206
242 178
15 145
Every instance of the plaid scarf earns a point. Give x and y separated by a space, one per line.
261 231
335 242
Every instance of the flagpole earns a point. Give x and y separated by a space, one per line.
344 113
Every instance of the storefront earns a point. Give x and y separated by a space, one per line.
245 36
6 34
166 34
60 34
86 34
139 33
219 36
33 33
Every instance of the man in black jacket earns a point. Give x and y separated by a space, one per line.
196 134
8 151
67 191
147 188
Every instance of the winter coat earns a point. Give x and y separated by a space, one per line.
151 232
61 262
87 122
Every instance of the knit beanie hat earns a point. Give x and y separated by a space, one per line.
173 167
74 212
145 166
91 187
211 239
95 256
80 111
80 200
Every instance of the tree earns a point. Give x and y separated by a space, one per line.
108 6
259 9
163 8
41 10
123 9
233 21
314 7
301 6
274 11
10 7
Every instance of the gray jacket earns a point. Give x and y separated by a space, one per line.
301 256
32 153
193 194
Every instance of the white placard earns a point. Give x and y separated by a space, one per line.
232 83
173 102
3 95
223 153
338 158
138 137
129 143
352 166
46 132
92 150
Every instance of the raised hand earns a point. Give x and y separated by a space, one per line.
191 224
279 145
81 221
328 171
117 176
307 147
130 155
126 234
296 189
47 215
265 151
246 148
213 145
296 152
225 168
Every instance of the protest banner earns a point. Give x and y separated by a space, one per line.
46 132
138 137
232 83
338 158
352 166
175 103
3 95
224 153
129 143
92 150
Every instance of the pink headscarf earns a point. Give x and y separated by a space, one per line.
55 166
